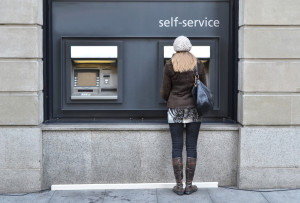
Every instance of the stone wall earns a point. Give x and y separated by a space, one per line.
264 154
269 99
21 95
133 154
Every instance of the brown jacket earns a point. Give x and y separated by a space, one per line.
176 87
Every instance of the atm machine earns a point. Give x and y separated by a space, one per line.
207 52
94 73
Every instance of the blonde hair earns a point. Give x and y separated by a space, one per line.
183 61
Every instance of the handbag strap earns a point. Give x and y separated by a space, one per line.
196 75
196 70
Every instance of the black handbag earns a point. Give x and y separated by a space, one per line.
203 98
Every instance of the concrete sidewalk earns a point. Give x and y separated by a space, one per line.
218 195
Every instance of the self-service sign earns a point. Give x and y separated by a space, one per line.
200 23
141 18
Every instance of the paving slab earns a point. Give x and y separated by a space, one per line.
225 195
133 196
212 195
168 196
40 197
290 196
80 196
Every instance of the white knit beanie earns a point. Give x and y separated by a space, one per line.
182 43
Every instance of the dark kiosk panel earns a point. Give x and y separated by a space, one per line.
107 57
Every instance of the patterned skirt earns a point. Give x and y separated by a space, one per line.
183 115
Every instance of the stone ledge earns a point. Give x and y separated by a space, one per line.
132 127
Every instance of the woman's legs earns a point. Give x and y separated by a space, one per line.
192 131
176 130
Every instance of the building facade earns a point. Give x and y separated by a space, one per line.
49 136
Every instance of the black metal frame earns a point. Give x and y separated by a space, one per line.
67 42
48 74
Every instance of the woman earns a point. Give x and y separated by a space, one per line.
176 89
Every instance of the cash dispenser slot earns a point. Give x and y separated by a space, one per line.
94 73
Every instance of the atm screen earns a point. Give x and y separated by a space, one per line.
86 78
94 79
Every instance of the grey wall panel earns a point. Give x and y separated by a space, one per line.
140 26
137 19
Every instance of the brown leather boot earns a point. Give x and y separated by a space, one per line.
190 171
178 172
